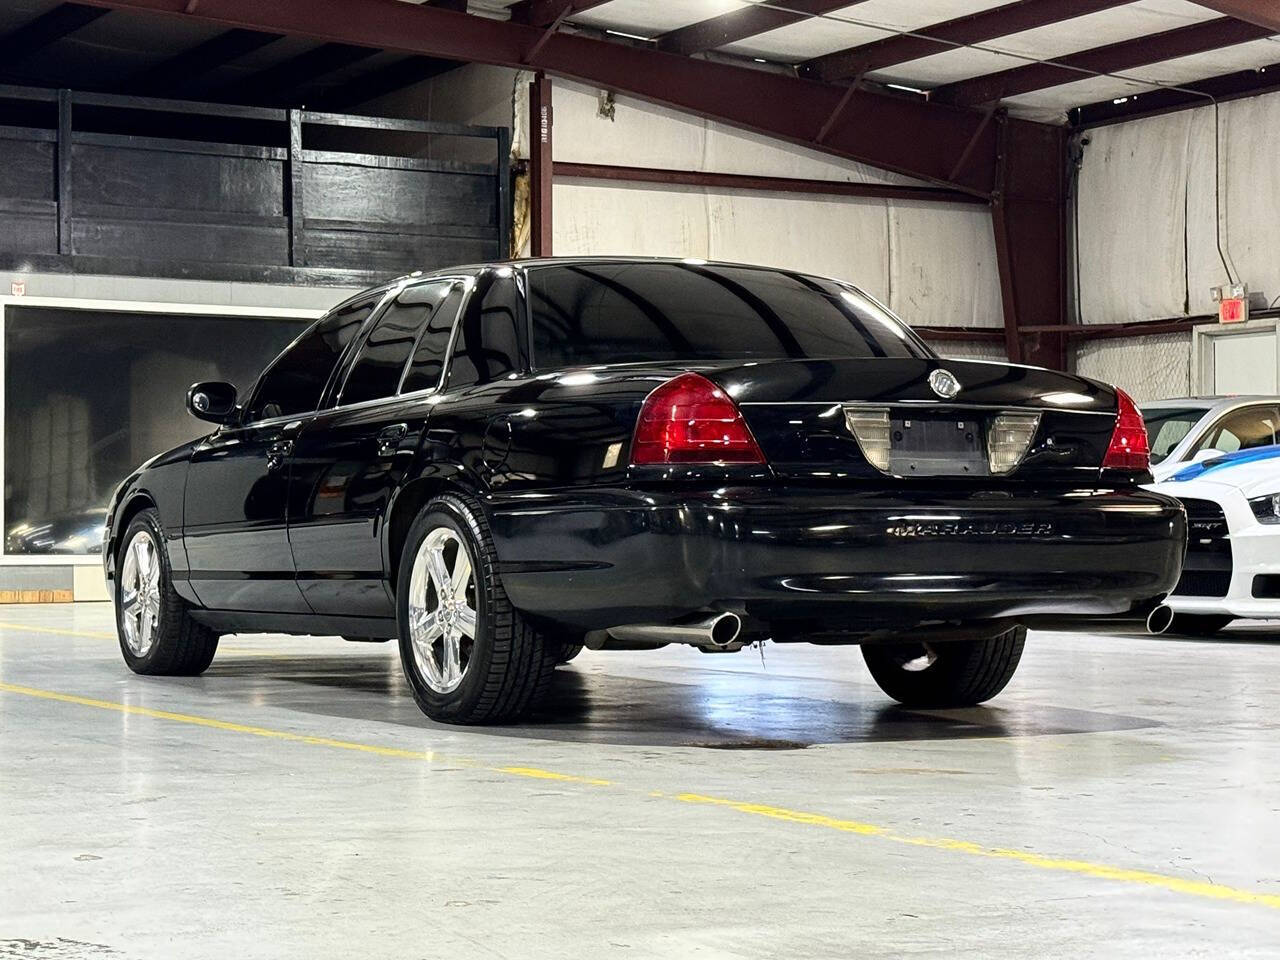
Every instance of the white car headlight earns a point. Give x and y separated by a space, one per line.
1266 509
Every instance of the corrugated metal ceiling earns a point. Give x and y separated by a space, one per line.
112 50
866 22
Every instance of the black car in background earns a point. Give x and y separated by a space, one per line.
498 464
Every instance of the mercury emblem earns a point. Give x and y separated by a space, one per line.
944 383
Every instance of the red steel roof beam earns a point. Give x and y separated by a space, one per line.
1262 13
543 13
747 22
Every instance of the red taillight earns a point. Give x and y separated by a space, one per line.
1128 449
691 420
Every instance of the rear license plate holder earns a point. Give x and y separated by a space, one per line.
936 447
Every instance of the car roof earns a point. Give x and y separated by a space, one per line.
536 262
1209 403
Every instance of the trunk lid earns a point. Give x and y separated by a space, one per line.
812 418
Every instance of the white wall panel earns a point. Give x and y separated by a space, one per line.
1150 206
645 135
934 264
831 236
1250 199
593 218
639 135
1204 265
942 267
1133 193
1147 211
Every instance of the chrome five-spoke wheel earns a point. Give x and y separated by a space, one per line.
442 609
140 594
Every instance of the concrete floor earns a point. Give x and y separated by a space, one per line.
1122 798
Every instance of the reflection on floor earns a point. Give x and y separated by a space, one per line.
722 709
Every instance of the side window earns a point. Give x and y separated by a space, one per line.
381 361
1241 430
488 344
428 359
294 382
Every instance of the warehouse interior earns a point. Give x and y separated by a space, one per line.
1086 186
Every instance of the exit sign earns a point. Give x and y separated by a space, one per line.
1233 302
1233 310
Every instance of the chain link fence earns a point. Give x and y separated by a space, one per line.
1147 368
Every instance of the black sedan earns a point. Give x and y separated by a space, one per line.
500 464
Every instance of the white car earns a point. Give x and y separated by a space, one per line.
1232 566
1187 429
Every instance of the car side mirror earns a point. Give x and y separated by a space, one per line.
1207 454
212 400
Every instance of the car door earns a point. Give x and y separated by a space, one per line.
349 460
236 502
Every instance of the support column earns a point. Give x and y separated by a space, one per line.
294 193
66 247
1028 211
540 165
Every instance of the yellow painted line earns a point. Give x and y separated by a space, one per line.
537 774
791 816
1099 871
429 756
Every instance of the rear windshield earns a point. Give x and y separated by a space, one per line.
626 312
1166 426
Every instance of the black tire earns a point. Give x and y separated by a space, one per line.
1198 625
510 664
179 647
568 651
963 672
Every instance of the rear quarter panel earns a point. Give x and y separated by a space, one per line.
536 432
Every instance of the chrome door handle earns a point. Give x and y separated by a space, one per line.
389 439
277 453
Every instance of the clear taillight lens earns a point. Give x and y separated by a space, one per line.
1008 438
1129 449
870 427
690 420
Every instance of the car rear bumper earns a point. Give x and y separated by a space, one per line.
820 558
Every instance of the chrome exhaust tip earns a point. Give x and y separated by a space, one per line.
724 629
717 632
1160 619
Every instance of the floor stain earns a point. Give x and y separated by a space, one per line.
59 948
